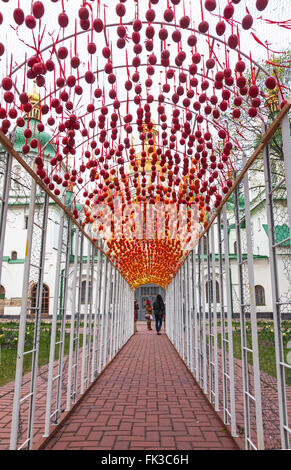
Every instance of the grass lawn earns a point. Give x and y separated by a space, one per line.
266 353
8 348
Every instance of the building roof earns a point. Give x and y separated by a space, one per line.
42 137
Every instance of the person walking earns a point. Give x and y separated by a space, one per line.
148 314
159 312
136 308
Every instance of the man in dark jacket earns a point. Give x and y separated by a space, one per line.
136 308
159 312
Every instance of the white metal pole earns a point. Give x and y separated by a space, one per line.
54 327
86 308
73 312
4 206
96 316
215 358
255 346
22 323
229 327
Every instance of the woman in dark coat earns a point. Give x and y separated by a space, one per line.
159 312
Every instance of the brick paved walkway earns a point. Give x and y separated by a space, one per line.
145 399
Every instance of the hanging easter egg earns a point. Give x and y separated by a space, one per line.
247 22
261 4
38 10
18 16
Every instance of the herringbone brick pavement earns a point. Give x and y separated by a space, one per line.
145 399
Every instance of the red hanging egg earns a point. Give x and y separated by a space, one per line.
89 77
192 40
247 22
256 102
40 81
223 105
228 11
121 31
210 5
137 25
149 45
120 9
7 83
185 22
62 53
63 20
137 48
233 41
210 63
83 13
106 52
213 100
91 47
203 27
150 32
150 15
163 34
18 16
196 57
237 101
254 91
135 37
98 25
241 81
8 97
244 91
253 112
71 81
236 113
261 4
240 66
271 83
50 65
168 15
75 62
220 28
225 94
30 22
222 134
20 122
38 10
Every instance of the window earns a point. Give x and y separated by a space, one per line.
2 292
45 299
235 248
260 295
205 245
83 293
17 177
208 287
14 255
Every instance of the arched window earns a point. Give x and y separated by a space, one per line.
83 293
45 299
205 245
14 255
260 295
208 287
2 299
2 292
17 177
